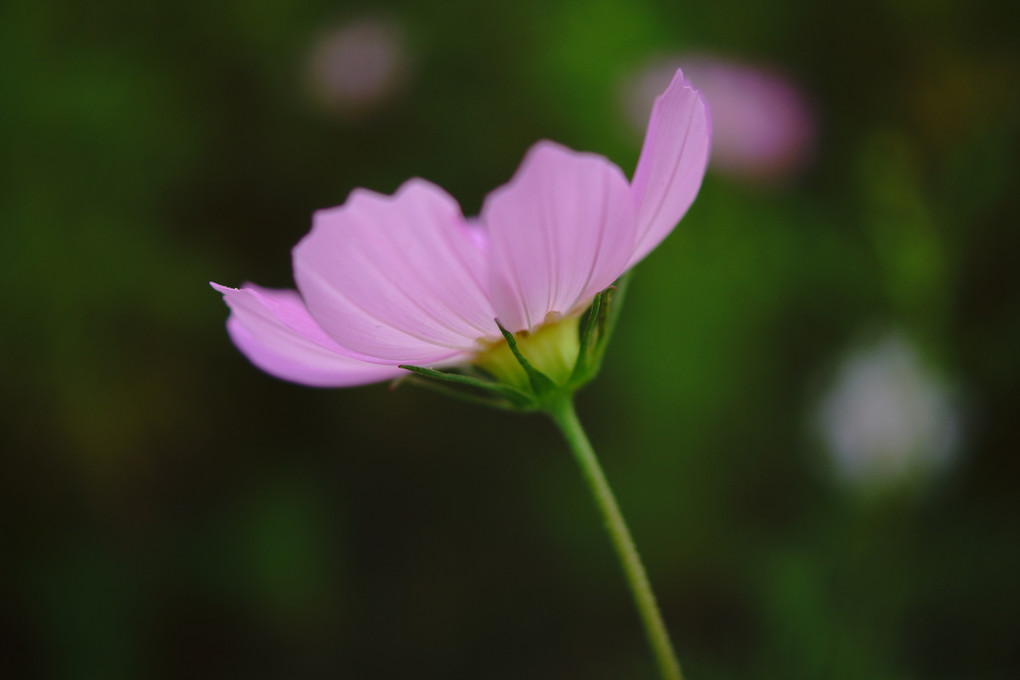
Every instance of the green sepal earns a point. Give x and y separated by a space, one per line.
598 327
443 388
612 306
497 394
586 353
540 382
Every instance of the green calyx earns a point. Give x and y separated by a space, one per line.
532 371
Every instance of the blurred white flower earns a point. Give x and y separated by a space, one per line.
358 65
762 125
886 417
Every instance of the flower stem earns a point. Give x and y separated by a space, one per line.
563 414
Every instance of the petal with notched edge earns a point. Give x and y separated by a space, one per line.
397 278
561 231
274 330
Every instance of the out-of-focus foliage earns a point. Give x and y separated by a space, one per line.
171 512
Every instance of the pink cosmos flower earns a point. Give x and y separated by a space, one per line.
407 279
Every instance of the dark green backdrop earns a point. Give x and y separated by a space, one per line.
169 511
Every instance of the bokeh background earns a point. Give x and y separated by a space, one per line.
808 412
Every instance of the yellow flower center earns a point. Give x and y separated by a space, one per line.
551 348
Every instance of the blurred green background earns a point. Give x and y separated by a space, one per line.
170 511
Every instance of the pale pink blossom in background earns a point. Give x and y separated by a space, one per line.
762 124
407 279
358 66
886 416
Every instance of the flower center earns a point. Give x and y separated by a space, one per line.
551 348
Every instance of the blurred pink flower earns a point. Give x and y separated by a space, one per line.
407 279
762 124
357 66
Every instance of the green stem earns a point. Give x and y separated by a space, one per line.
565 417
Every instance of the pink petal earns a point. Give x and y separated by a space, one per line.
562 230
396 278
672 163
274 330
